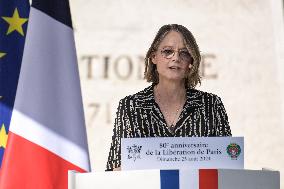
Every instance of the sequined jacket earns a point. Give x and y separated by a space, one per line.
139 115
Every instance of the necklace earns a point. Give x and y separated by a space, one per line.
164 107
172 125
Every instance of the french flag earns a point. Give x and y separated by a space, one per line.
191 179
47 132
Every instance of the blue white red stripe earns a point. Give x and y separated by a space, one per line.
47 132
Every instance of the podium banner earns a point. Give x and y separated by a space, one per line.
182 152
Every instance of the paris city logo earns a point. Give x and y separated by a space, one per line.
134 152
234 150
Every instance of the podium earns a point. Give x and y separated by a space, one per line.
176 179
179 163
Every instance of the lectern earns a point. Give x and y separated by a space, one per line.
179 163
176 179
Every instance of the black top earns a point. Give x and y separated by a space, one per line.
138 115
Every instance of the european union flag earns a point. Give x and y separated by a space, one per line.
13 26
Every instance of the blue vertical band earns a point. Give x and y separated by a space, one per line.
169 179
57 9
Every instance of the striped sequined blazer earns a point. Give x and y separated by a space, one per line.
139 115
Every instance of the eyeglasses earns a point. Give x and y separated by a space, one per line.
183 54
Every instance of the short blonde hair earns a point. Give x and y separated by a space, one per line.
193 77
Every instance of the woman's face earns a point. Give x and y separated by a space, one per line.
172 58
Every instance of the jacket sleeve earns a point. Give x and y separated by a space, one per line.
122 124
114 157
222 123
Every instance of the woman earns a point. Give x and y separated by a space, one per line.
170 107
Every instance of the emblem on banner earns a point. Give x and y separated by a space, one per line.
234 150
134 152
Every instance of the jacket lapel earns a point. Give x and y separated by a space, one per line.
149 108
193 103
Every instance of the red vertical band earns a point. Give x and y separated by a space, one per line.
208 179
